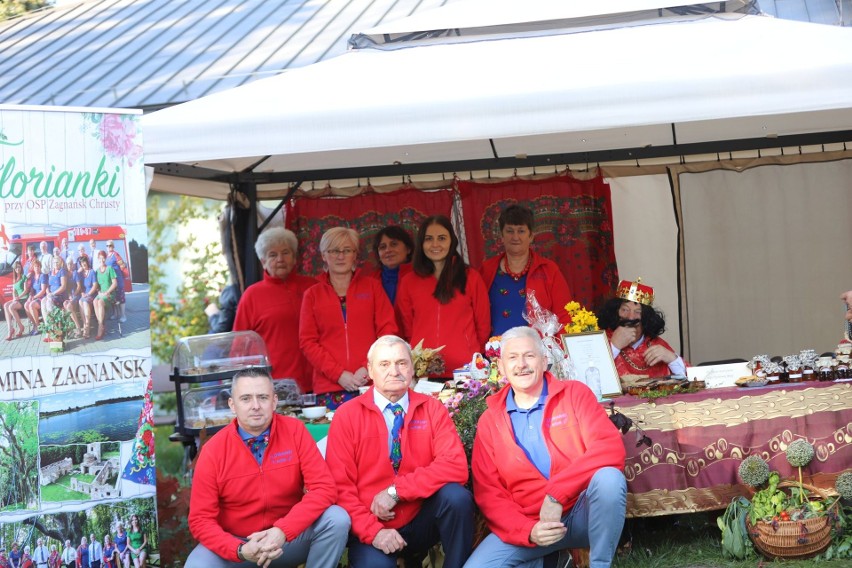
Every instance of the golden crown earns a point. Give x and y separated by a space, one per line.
635 292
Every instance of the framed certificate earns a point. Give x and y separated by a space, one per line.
592 348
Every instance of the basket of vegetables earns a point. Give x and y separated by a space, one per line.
787 519
784 527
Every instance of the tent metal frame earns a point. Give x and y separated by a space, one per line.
247 181
595 157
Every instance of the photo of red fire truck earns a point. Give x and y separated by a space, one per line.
13 247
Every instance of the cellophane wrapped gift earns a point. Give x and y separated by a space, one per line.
480 368
547 324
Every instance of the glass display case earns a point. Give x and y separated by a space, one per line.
203 366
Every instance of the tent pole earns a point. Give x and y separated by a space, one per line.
250 270
275 211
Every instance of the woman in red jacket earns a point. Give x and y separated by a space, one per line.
443 302
393 247
272 306
340 318
510 276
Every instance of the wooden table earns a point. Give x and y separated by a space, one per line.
699 440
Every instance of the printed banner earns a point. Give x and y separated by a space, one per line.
573 228
76 428
367 213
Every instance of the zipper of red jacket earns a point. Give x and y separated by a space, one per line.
438 326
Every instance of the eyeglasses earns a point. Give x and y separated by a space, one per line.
110 246
338 252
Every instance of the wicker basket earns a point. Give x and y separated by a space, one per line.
793 539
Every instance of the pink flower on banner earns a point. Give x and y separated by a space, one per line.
118 138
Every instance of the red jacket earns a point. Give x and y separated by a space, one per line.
637 357
462 325
271 307
358 456
233 497
544 278
508 488
333 345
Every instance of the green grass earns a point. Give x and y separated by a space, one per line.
57 492
60 490
693 541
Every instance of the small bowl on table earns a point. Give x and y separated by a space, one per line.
314 412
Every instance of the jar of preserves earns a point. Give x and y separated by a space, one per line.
825 369
794 368
773 372
841 369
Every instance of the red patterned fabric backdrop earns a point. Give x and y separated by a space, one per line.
573 228
366 213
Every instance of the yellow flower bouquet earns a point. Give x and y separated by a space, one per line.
581 319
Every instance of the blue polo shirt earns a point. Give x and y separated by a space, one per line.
526 424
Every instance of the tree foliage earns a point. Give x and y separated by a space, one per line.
12 8
203 274
98 520
19 454
53 454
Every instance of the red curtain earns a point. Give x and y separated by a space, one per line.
573 228
366 213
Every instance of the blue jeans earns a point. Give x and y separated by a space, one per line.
446 517
595 521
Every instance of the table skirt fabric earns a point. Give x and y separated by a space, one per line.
699 440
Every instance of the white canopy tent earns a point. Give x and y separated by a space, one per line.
560 86
493 84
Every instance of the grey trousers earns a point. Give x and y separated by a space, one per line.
319 546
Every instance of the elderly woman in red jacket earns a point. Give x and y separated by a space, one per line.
443 302
272 306
509 276
340 318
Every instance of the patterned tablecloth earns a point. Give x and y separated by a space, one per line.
700 439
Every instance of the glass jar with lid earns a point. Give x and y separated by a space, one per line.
825 369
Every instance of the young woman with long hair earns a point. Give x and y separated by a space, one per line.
443 301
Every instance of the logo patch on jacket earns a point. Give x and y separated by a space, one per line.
282 457
558 420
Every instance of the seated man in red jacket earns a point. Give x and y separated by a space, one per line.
633 327
261 492
547 464
399 465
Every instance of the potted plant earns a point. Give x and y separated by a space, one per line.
56 326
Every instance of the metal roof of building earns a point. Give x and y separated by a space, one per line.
155 53
832 12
